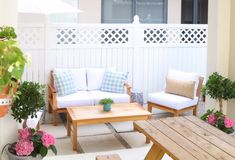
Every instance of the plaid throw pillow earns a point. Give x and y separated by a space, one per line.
64 83
114 82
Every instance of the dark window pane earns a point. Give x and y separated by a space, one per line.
187 11
151 11
117 11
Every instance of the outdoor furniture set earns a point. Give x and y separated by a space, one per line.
78 92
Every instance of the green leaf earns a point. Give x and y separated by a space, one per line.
43 151
54 150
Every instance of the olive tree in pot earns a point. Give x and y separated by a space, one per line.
220 88
28 100
12 62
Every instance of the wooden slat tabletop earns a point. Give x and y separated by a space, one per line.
188 138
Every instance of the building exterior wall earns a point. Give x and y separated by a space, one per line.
219 52
91 11
231 104
8 126
174 11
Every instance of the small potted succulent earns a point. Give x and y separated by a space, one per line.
31 145
219 120
28 100
12 63
106 102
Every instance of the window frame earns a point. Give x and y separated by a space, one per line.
134 11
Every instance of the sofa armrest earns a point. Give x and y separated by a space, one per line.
52 94
128 88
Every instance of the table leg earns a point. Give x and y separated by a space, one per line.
147 140
68 125
155 153
75 141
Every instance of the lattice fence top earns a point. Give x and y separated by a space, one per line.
73 36
90 36
175 36
31 37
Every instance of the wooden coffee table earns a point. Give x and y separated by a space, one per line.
83 115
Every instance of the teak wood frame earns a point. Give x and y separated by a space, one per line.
52 101
175 111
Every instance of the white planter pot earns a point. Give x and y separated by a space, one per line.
15 157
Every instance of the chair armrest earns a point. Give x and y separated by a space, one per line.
128 88
52 88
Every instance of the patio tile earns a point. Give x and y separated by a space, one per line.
91 130
134 139
64 147
58 131
99 143
123 126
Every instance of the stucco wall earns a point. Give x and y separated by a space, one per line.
218 41
174 11
91 11
231 103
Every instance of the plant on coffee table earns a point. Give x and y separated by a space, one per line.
106 102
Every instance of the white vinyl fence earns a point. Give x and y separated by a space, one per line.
145 51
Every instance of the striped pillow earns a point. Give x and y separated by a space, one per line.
64 83
114 82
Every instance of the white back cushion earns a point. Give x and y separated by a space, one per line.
79 77
94 78
179 75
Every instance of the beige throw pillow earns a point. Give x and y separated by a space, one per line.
180 87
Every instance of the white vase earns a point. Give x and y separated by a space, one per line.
15 157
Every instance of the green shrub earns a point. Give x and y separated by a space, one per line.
29 99
106 101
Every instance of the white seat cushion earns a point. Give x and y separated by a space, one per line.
171 100
116 97
80 98
79 76
94 78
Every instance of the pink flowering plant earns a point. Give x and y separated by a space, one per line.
32 143
219 120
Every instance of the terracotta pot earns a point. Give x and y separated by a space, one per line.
4 107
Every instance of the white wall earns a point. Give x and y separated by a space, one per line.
8 127
231 104
218 41
174 11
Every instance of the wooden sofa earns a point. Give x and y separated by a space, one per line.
55 108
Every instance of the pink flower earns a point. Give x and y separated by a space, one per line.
24 133
212 119
47 140
24 147
229 123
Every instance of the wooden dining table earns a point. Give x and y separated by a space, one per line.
186 138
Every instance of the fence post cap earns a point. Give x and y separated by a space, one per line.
136 19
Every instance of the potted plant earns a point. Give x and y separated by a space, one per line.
219 120
28 100
220 89
106 102
12 64
31 145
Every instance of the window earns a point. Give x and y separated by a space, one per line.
194 11
123 11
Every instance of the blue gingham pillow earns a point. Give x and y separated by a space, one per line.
114 82
64 83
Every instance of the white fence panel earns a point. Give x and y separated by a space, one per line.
145 51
